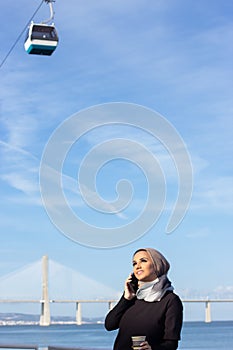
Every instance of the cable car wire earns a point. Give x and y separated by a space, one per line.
20 35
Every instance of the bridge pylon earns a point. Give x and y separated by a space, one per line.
45 308
207 312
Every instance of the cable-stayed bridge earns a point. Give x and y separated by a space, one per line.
63 283
46 282
71 288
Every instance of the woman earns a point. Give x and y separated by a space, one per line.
152 309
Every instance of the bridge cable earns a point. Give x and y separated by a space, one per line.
20 35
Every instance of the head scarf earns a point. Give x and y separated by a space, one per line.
155 290
160 263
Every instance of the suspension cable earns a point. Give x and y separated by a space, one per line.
21 33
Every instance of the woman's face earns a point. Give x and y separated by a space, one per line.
143 267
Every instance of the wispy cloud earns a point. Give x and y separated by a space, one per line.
201 232
214 194
20 170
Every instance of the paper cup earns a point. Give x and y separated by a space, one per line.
137 340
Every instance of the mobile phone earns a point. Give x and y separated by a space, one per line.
134 282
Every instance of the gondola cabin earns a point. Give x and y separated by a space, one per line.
41 39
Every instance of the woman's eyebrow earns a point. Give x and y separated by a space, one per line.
143 257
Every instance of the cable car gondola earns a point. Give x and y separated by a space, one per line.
42 38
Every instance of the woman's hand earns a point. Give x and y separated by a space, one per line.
129 292
145 346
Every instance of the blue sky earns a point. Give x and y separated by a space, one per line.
173 57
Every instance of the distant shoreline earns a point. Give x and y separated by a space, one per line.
32 323
20 319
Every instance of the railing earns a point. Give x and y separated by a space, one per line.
18 346
35 347
65 348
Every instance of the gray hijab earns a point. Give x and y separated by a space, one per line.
155 290
160 263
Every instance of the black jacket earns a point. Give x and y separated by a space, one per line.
160 321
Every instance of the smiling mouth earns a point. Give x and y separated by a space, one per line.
139 272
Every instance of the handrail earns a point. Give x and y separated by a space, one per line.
35 347
50 347
18 346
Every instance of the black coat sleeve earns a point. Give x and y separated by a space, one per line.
173 325
113 318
